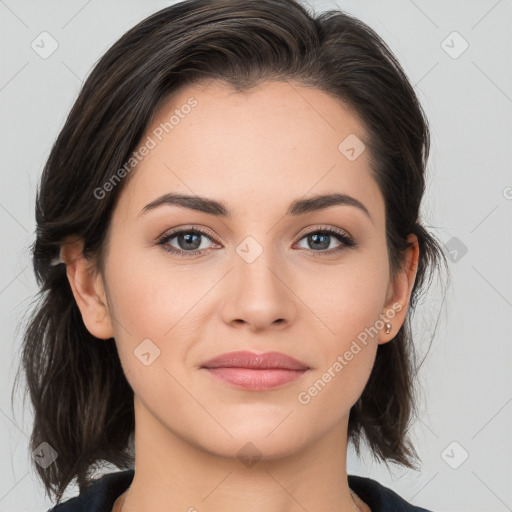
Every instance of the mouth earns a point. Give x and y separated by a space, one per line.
255 372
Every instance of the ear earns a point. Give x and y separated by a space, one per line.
399 291
88 289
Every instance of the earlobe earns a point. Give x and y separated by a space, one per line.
88 290
399 292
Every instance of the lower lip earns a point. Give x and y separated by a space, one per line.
256 380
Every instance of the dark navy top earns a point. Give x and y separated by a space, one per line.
102 494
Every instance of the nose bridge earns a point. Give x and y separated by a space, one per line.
260 295
258 263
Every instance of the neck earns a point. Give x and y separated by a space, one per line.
173 474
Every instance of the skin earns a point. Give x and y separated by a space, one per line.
257 152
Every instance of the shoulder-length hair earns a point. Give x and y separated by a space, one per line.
83 404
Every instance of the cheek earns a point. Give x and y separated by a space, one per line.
347 302
348 298
158 314
152 308
154 299
345 356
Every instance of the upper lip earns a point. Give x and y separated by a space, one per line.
245 359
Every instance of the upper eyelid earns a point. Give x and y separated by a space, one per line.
314 229
173 232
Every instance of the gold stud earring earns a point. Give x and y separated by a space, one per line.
388 327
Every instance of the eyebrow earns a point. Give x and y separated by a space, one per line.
297 207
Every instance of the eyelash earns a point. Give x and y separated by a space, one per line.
346 241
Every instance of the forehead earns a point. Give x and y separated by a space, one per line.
274 143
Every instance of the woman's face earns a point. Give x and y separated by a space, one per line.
255 280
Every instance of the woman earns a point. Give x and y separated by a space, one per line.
229 251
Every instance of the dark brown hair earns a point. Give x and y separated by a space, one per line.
83 404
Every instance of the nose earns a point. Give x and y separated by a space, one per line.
259 293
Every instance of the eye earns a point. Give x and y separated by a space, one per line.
321 239
188 240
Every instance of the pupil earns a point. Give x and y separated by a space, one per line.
187 239
325 245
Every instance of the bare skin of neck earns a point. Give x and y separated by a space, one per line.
362 506
118 504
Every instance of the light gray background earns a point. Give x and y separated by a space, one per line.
466 377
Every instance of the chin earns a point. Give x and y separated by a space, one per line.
255 449
264 442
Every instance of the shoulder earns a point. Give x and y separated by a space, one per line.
380 498
100 495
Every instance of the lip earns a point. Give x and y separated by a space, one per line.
255 372
255 380
254 361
